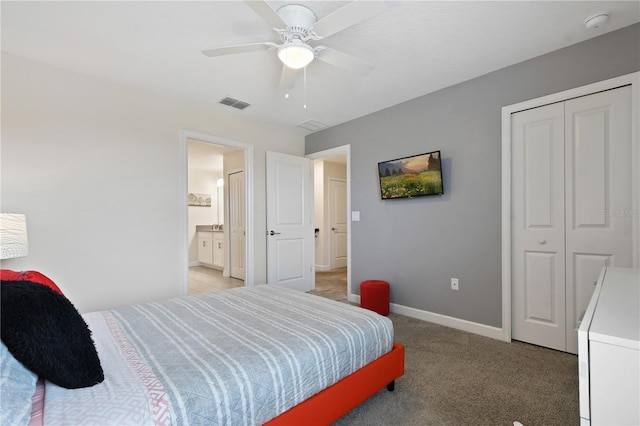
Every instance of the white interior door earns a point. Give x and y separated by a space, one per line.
237 234
338 222
572 210
599 212
538 298
290 232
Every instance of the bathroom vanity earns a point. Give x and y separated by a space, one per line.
211 245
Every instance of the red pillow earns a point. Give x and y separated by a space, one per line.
33 276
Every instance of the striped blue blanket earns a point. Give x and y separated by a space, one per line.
238 357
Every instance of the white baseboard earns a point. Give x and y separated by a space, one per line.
194 264
447 321
323 268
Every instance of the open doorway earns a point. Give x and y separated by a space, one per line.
212 251
333 227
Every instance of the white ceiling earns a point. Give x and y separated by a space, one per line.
417 47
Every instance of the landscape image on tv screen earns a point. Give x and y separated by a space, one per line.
408 177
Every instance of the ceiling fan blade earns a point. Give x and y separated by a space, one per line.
344 61
263 10
353 13
240 48
287 77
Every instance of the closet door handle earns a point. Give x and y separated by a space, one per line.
542 241
274 233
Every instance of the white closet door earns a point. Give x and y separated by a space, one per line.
237 238
538 246
572 210
599 215
338 222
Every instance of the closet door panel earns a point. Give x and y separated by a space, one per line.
540 287
599 188
538 290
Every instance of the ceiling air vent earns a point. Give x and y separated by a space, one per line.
234 103
312 125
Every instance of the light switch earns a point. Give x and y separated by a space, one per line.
355 216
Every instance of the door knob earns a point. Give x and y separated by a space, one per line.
274 233
542 241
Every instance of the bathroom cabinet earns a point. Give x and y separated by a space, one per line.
218 249
211 248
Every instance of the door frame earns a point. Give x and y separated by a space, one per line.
344 149
633 80
183 209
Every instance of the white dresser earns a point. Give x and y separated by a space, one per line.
609 351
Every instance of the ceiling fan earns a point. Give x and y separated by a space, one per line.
297 27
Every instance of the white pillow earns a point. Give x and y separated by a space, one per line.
17 386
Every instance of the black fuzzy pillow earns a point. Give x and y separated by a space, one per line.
45 332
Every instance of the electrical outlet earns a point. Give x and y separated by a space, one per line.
455 284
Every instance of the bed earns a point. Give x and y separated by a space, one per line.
246 356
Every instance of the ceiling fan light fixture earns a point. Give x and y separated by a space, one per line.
296 54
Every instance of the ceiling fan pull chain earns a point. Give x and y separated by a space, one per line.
305 87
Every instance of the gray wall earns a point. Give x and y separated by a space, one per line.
419 244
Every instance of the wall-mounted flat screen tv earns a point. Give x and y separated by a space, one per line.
408 177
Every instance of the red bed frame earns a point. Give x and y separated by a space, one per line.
330 404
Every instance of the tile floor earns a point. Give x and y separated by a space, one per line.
203 280
330 284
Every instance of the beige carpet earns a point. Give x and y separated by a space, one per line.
457 378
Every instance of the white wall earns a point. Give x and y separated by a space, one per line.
233 162
97 167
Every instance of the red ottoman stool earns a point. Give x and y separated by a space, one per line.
374 295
